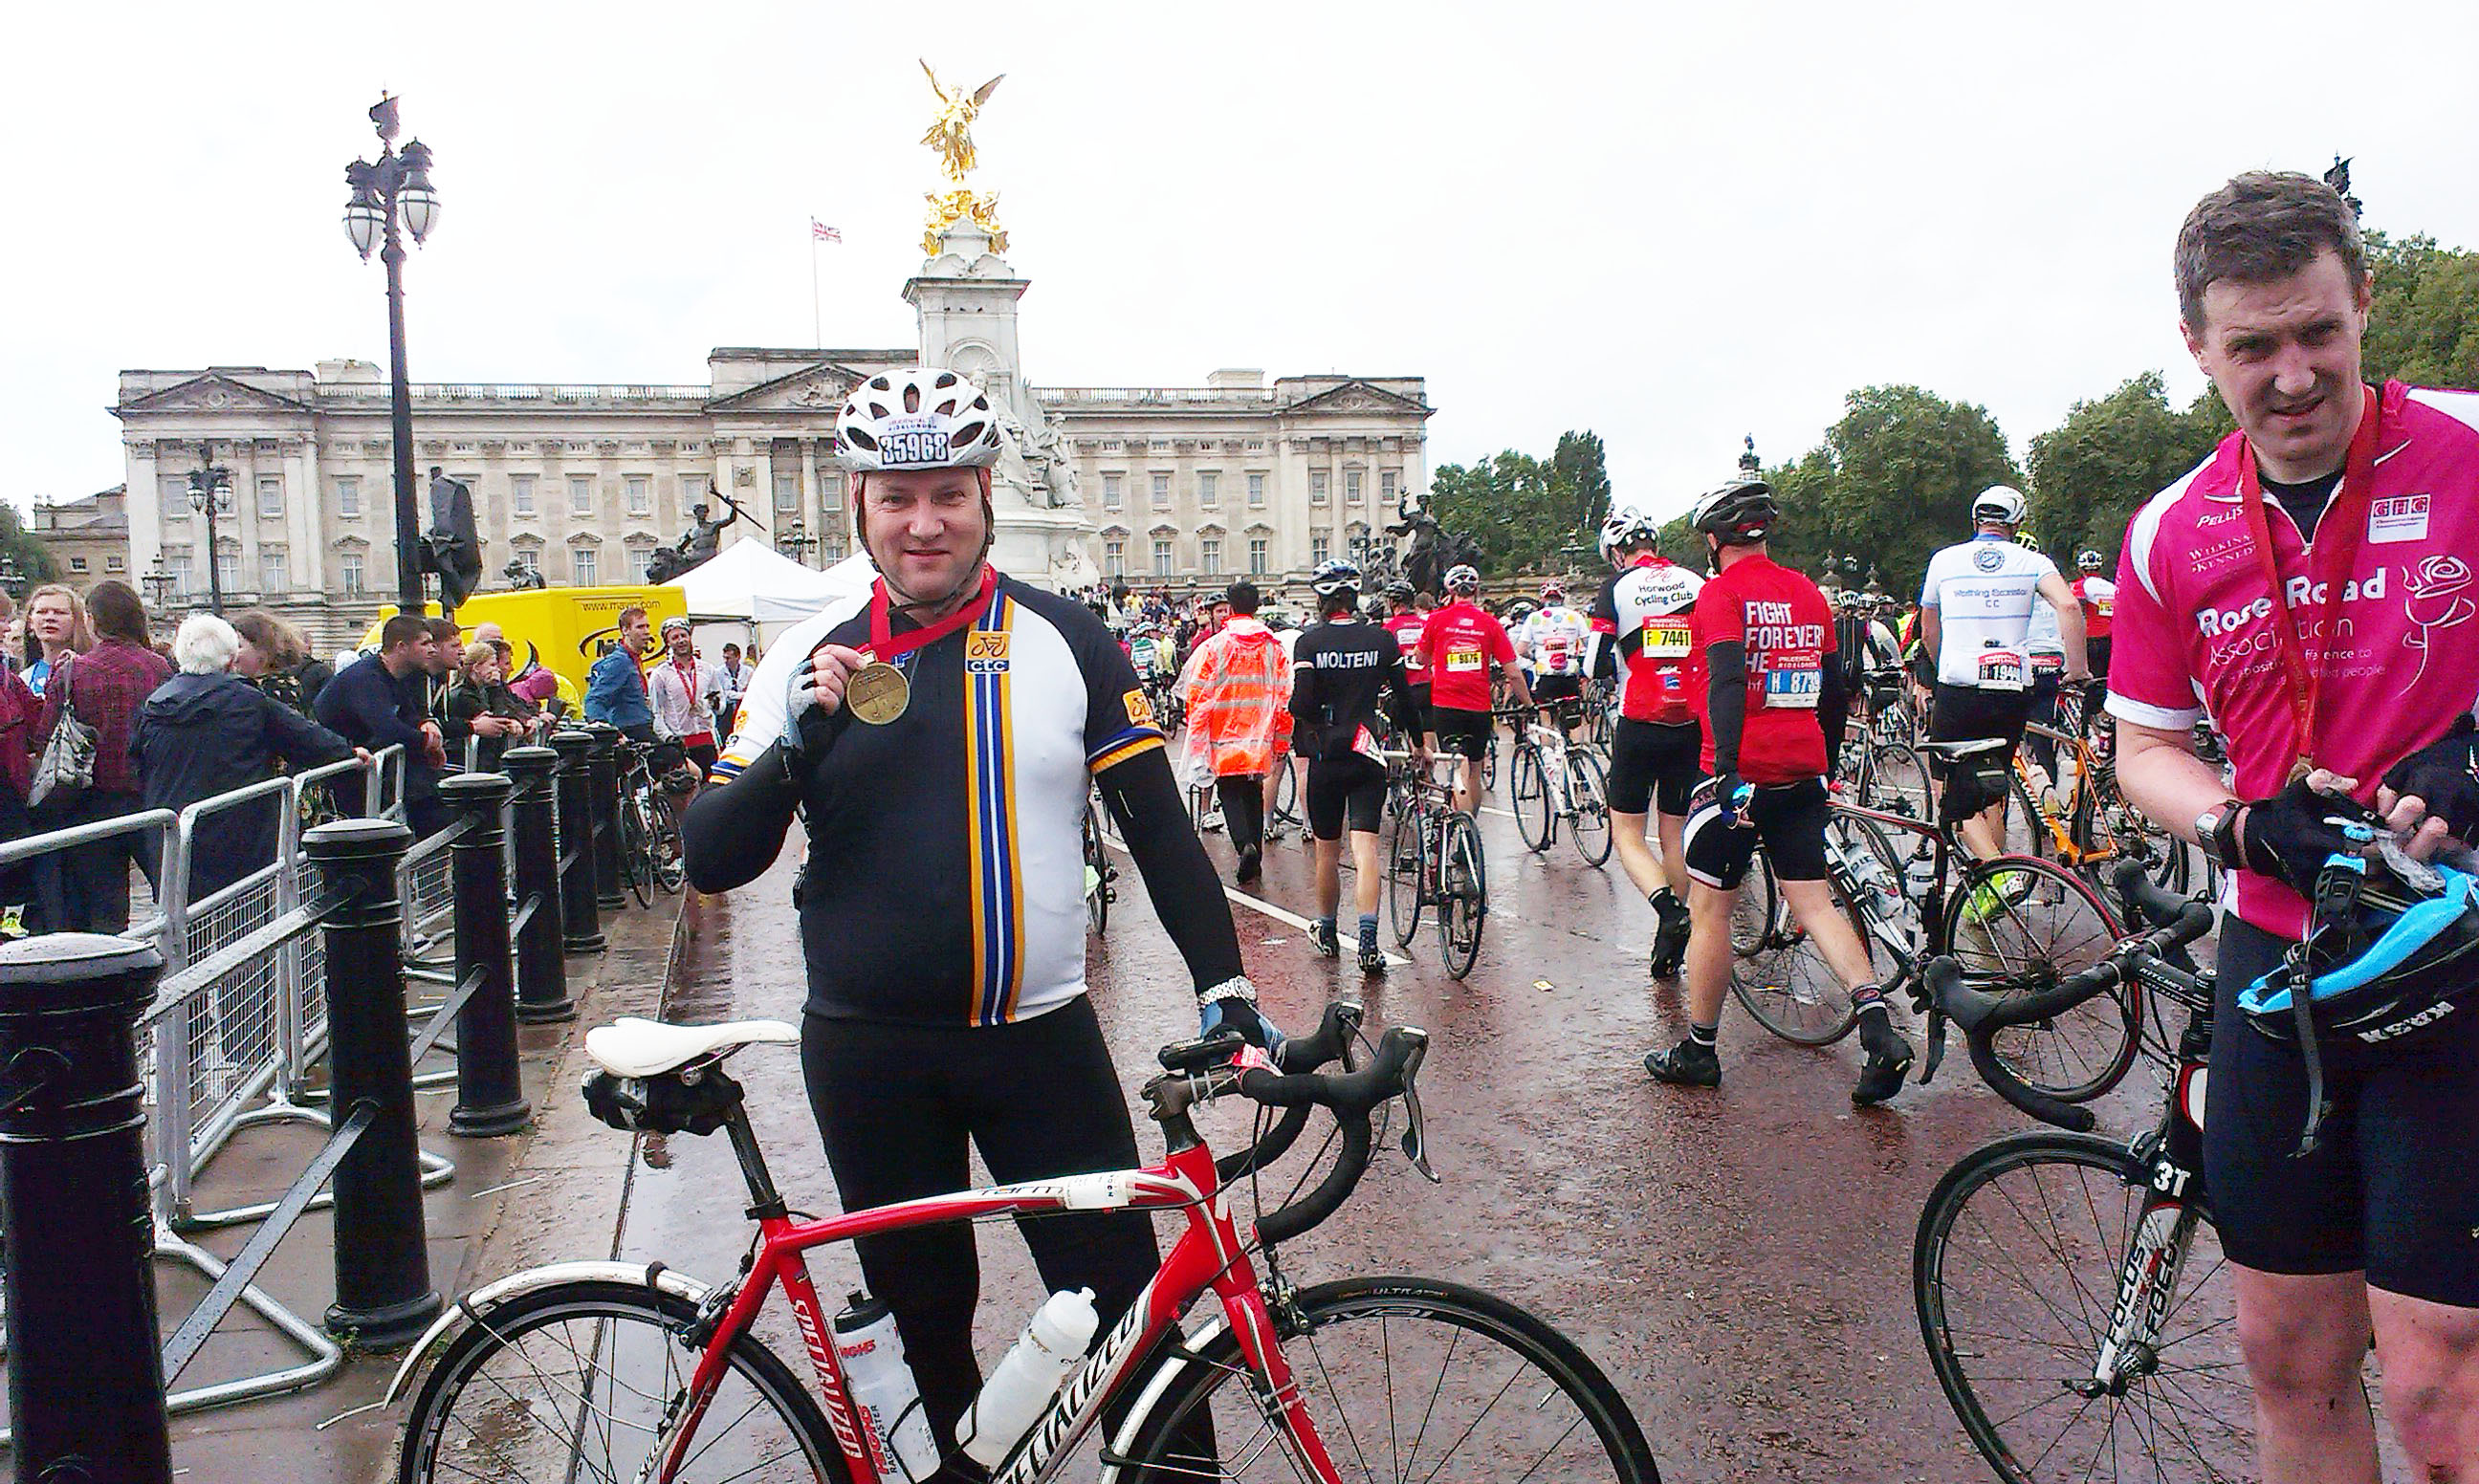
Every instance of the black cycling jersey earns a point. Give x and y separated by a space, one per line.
943 885
1341 670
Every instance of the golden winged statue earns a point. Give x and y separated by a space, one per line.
950 135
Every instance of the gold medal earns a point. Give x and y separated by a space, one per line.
877 693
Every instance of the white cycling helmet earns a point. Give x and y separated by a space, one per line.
1336 577
1463 578
1999 503
926 418
1627 528
2090 560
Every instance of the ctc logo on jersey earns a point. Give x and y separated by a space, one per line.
986 654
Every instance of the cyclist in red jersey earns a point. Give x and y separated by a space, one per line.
1458 646
2308 590
1774 707
1405 622
1642 625
2098 596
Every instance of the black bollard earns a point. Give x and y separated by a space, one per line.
85 1370
383 1293
542 975
605 758
490 1094
579 915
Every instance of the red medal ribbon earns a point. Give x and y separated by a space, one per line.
2342 525
885 644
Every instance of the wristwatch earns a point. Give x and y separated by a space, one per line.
2213 831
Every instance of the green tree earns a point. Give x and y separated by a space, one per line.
19 544
1524 510
2091 472
2425 325
1581 476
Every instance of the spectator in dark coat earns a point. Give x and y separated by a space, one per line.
206 732
89 888
481 708
375 703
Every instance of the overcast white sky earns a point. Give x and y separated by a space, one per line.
1670 224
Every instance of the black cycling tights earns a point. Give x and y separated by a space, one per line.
1244 807
1038 1098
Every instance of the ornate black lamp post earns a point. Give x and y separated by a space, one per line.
158 586
12 580
396 191
211 489
795 541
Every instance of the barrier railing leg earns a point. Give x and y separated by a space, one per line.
580 916
490 1094
86 1371
606 815
541 974
383 1293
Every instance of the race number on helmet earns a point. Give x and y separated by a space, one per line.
927 418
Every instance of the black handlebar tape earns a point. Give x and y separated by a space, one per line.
2039 1105
1331 1041
1350 1096
2147 902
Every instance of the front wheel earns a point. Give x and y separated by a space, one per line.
1463 894
2030 1253
1097 874
670 868
637 848
1786 983
1403 901
1587 792
1403 1379
1527 795
589 1380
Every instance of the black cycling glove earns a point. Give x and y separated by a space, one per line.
2290 835
2444 775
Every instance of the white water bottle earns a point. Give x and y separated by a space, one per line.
1920 874
901 1445
1871 877
1016 1393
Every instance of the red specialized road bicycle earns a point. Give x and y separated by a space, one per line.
612 1372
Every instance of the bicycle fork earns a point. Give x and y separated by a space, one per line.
2147 1286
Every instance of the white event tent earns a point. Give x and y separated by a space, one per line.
766 592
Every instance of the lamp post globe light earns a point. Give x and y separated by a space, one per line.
796 542
392 197
211 495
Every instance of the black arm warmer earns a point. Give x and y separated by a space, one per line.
1186 895
732 833
1400 708
1832 711
1726 701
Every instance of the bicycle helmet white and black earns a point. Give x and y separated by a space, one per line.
1463 578
1401 591
926 418
1553 591
2090 560
1336 577
1999 503
1626 528
1739 513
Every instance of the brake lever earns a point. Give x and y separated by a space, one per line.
1936 1044
1416 1136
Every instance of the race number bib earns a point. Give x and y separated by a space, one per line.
1556 656
1793 679
1462 661
2045 665
2001 670
1667 637
2104 606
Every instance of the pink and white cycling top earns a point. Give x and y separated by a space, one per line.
2194 636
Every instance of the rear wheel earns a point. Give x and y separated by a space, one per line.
1786 983
1403 874
637 848
1528 794
1896 780
589 1380
1590 828
2019 926
671 870
1097 874
1404 1379
1462 906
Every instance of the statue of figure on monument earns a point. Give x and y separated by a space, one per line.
950 135
697 543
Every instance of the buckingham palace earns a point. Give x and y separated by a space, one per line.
583 482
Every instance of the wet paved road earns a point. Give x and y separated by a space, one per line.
1739 1259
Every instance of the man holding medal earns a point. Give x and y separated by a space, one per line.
940 735
2276 590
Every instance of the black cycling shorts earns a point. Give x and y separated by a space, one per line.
1347 789
1419 690
2392 1186
2098 649
702 757
1551 689
1463 733
1654 764
1789 819
1967 713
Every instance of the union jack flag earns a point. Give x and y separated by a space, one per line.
819 232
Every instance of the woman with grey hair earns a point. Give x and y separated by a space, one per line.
206 732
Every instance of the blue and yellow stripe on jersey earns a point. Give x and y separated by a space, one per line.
1120 746
997 866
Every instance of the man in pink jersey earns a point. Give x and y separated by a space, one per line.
2309 591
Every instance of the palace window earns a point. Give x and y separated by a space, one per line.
1317 487
641 562
349 566
116 564
1115 557
1351 486
582 566
272 577
1387 480
228 571
77 564
271 495
348 496
787 489
1162 557
1111 491
641 494
1209 489
691 490
1256 489
1256 556
1320 547
580 494
1161 491
520 494
529 559
1209 553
